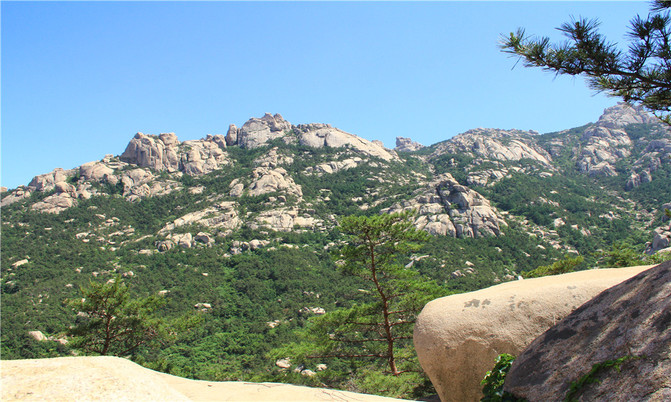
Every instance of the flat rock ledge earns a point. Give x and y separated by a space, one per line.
458 337
105 378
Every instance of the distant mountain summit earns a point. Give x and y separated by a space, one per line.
625 141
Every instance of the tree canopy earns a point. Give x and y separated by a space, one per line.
641 74
110 322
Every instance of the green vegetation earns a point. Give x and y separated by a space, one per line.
375 334
111 323
576 387
492 384
566 265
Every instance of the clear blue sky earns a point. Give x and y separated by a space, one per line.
79 79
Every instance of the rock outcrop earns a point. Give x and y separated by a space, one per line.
106 378
266 181
458 337
222 216
606 142
323 135
257 132
444 207
407 145
631 319
496 144
165 153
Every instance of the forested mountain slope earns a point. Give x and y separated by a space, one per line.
239 228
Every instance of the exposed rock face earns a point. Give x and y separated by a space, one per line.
630 319
47 181
222 216
447 208
496 144
257 132
334 166
473 215
284 220
165 153
273 180
606 142
661 236
15 196
407 145
323 135
458 337
65 194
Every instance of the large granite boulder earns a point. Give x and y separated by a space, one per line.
631 319
458 337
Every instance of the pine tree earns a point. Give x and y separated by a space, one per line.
110 322
642 74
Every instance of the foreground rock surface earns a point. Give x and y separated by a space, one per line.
105 378
630 319
458 337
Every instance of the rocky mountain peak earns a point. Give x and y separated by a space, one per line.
496 144
404 144
623 114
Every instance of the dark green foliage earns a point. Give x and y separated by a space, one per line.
622 254
109 322
492 384
640 74
566 265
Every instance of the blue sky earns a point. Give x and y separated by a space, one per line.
79 79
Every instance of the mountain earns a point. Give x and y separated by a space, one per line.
239 228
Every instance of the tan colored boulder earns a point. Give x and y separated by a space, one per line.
106 378
37 335
458 337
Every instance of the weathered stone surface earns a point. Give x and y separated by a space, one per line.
284 220
604 143
15 196
37 335
458 337
444 207
47 181
257 132
273 180
273 159
323 135
96 171
232 135
334 166
222 216
496 144
407 145
165 153
164 245
630 319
